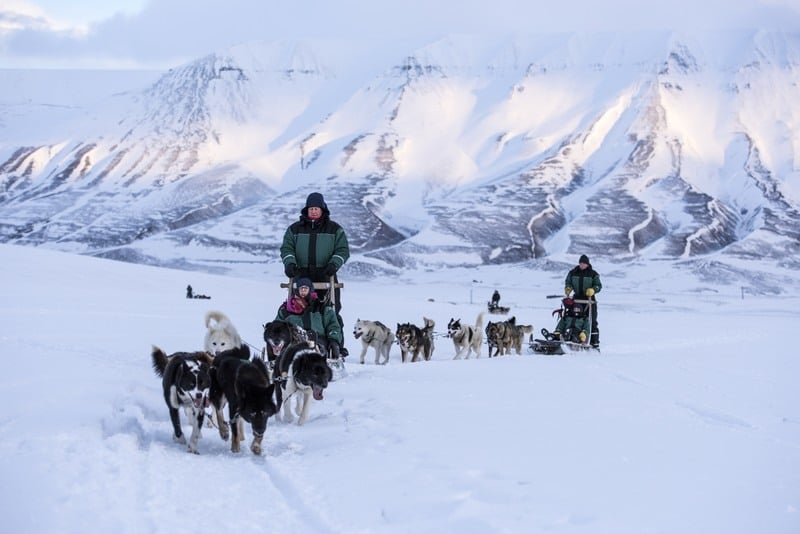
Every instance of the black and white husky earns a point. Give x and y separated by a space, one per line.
376 335
278 336
186 383
466 338
300 370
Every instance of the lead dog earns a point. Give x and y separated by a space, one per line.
466 338
186 383
376 335
303 371
244 386
221 335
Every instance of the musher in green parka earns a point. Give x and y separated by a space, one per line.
584 281
315 247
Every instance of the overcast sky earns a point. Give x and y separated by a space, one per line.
165 33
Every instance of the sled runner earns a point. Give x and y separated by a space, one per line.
567 341
549 345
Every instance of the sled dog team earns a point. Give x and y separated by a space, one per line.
203 383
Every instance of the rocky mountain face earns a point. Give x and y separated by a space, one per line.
469 151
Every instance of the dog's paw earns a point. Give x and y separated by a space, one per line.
256 448
179 439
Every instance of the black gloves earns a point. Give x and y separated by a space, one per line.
291 270
335 351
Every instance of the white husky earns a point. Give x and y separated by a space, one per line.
376 335
221 335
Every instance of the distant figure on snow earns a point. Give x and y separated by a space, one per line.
189 294
495 299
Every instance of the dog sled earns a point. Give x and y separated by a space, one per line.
567 341
328 298
497 309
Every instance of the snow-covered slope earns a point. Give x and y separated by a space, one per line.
619 145
688 422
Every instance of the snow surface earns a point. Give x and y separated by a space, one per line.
688 422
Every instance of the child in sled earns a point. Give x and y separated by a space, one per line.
304 309
574 323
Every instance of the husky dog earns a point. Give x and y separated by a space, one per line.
427 331
300 370
376 335
501 336
522 330
278 335
244 386
505 335
466 338
186 383
490 332
413 340
221 335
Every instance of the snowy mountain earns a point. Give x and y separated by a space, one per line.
627 147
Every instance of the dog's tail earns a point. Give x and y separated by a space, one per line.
479 322
216 316
160 360
224 324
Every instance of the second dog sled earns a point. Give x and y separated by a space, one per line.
567 341
497 309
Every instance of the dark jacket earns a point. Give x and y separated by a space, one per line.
312 245
580 280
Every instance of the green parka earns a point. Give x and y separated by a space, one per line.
579 280
312 245
317 317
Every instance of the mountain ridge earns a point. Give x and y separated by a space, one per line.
631 146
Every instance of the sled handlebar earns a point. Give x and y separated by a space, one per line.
317 285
